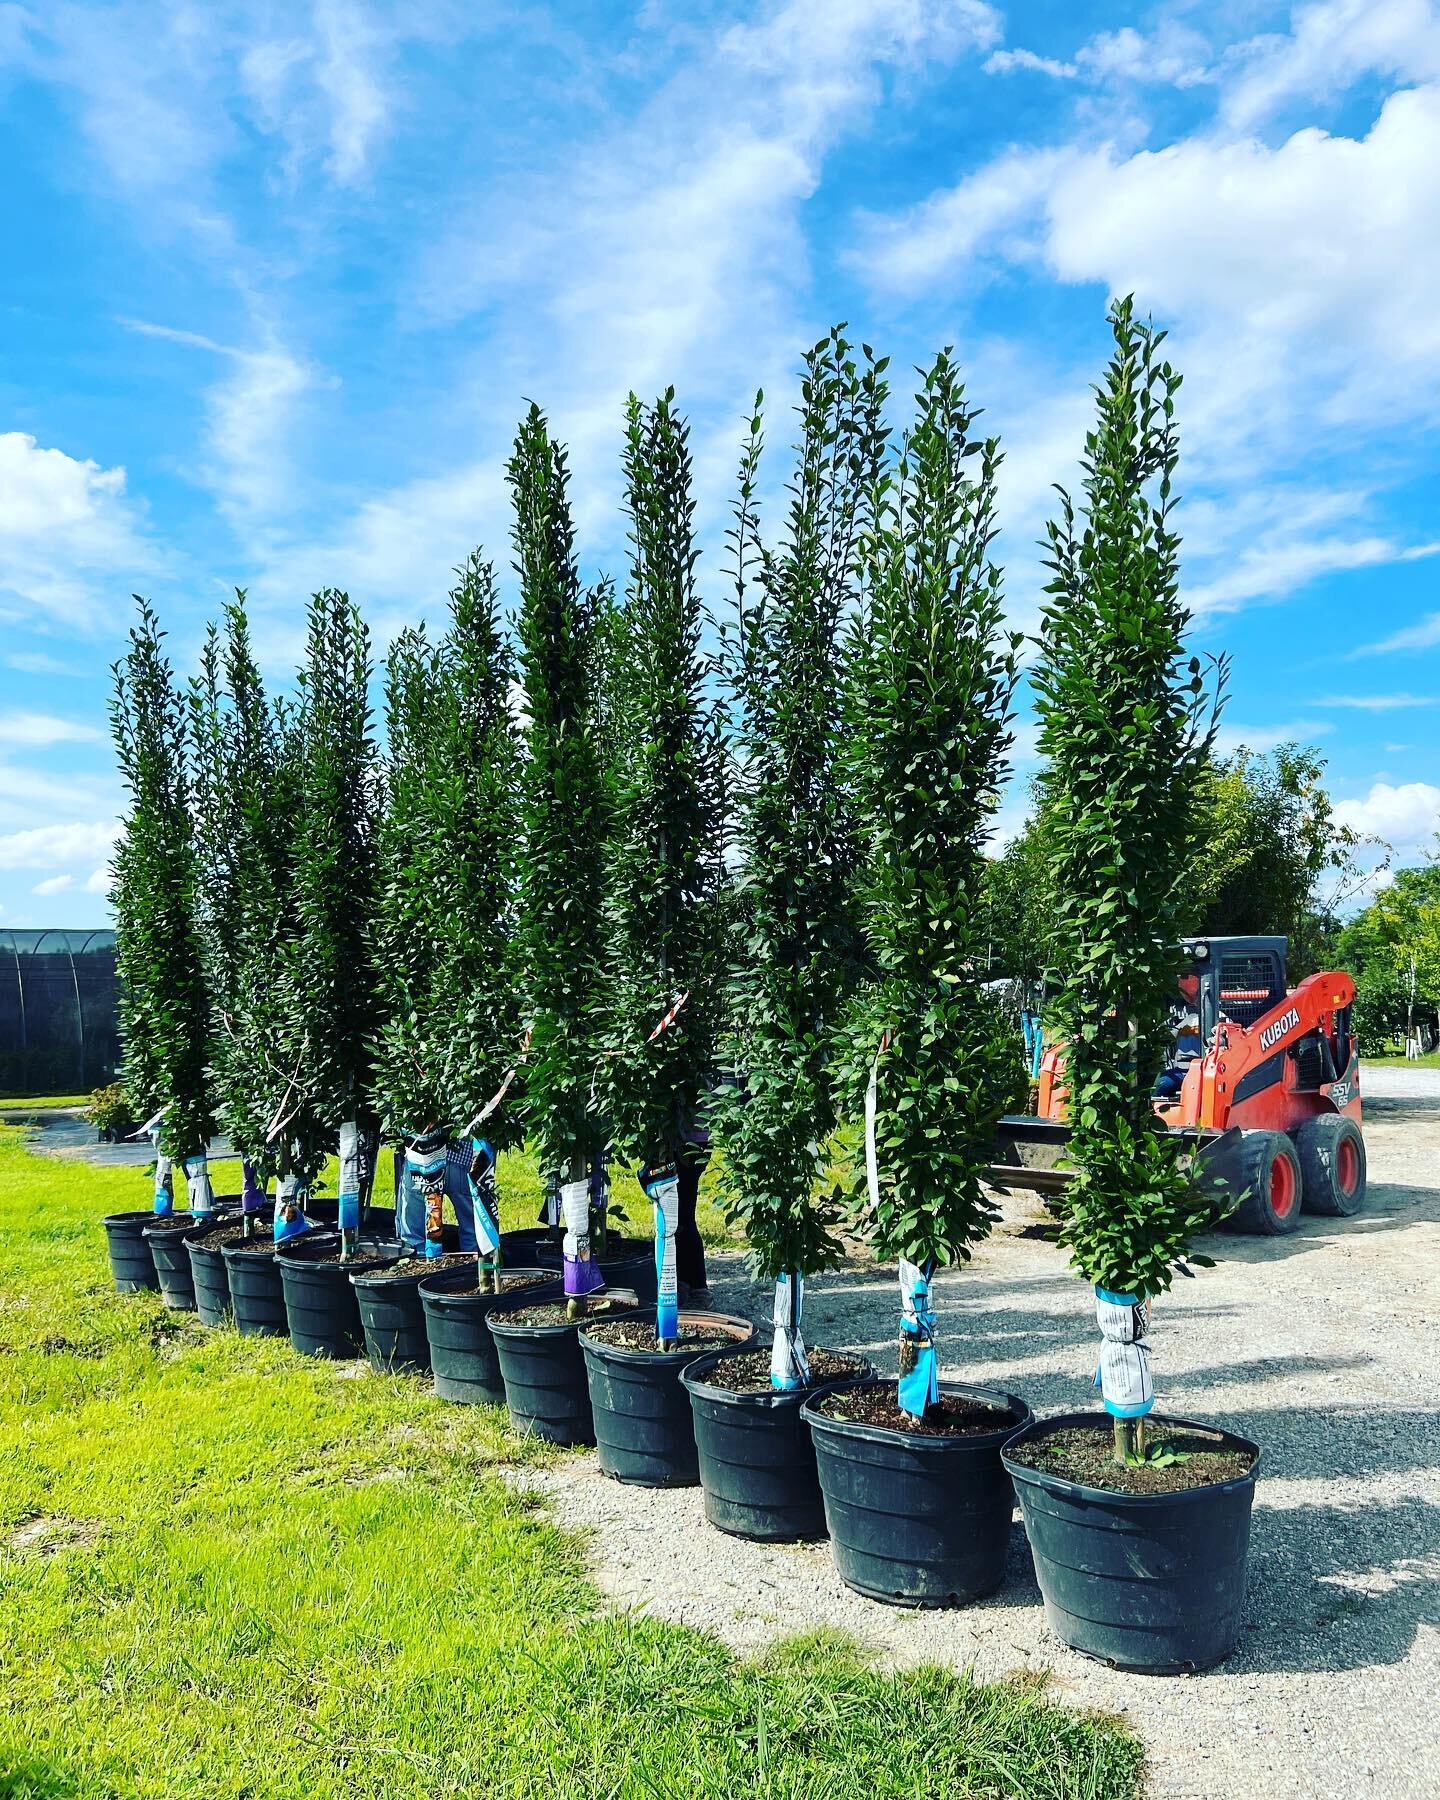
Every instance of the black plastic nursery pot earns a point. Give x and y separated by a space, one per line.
756 1455
463 1357
165 1235
644 1425
392 1315
917 1520
208 1274
322 1310
257 1296
1154 1583
132 1263
544 1370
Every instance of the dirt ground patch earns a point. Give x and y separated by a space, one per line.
1322 1347
48 1533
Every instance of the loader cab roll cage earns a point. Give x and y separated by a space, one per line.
1237 979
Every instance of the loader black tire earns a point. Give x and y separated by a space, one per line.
1270 1177
1332 1165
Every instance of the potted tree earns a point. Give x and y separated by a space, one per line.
245 762
663 947
796 952
1140 1526
564 809
917 1502
327 989
163 1012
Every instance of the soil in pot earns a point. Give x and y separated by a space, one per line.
538 1347
462 1350
644 1426
321 1308
1149 1576
132 1265
756 1458
257 1293
171 1256
918 1514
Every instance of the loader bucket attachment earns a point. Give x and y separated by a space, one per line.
1028 1152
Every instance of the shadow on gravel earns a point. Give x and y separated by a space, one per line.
1388 1207
1340 1587
1344 1442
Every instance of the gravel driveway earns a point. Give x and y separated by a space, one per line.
1323 1347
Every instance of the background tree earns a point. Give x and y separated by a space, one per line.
797 950
564 809
1392 947
330 978
1125 726
662 917
928 716
246 804
448 861
163 1010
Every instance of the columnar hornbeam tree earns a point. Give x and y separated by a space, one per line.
662 923
164 1014
246 763
797 950
564 809
1126 724
446 902
330 986
932 674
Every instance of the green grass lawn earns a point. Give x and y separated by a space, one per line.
46 1102
226 1570
1397 1059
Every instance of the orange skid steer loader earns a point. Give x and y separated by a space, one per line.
1264 1086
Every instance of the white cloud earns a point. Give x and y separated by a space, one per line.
1380 703
328 92
40 730
1421 636
1259 738
1172 53
1407 816
1329 47
53 884
98 880
1272 571
66 524
56 846
1006 62
38 662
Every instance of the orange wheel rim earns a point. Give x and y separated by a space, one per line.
1347 1166
1282 1187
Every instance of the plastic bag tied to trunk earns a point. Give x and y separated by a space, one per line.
919 1377
425 1156
789 1366
485 1200
197 1181
164 1199
582 1272
252 1195
350 1174
663 1187
290 1218
1123 1376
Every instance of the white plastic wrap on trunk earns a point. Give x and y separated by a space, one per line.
1124 1373
789 1367
197 1181
349 1183
663 1187
582 1272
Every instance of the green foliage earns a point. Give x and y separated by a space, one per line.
163 1010
1126 727
797 947
1392 948
448 860
662 915
1270 840
330 990
564 807
246 752
927 716
111 1108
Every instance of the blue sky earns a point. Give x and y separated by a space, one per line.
279 279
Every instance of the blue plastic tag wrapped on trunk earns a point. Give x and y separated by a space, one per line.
1123 1376
919 1377
425 1156
483 1197
252 1189
349 1208
164 1201
197 1180
290 1218
663 1187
